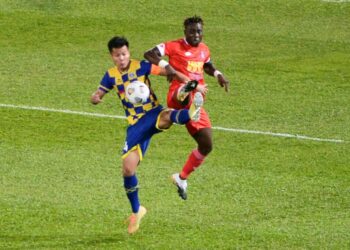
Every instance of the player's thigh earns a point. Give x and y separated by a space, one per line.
144 129
204 140
130 163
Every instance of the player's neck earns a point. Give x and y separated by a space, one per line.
187 43
123 70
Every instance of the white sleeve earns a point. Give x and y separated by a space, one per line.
161 48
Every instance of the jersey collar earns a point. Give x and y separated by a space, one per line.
189 45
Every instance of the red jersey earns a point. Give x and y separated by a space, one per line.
189 61
185 58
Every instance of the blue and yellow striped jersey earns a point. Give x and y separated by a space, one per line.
113 79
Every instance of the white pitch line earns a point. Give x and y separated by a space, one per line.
303 137
66 111
244 131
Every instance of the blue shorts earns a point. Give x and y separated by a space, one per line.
138 135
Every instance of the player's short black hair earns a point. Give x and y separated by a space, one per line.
117 42
192 20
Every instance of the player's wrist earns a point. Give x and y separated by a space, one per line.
217 73
162 63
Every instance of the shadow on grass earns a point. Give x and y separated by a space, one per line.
65 241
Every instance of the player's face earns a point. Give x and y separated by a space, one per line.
194 34
121 57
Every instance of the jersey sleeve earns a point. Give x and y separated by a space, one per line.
155 70
167 48
161 48
106 83
145 68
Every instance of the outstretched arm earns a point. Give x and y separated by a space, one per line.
178 75
154 57
212 71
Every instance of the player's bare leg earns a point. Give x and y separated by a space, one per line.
204 141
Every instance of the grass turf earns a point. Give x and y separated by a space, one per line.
288 65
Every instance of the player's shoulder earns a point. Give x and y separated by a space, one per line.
135 61
135 64
144 63
112 71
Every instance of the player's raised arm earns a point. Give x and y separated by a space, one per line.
212 71
156 70
154 56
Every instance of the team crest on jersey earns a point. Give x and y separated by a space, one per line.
202 54
131 75
187 53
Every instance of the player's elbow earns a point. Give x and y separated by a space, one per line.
152 56
146 55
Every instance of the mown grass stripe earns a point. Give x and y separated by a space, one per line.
235 130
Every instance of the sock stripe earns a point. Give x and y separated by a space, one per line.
181 116
177 116
198 155
131 189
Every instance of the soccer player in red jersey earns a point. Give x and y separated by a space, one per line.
191 57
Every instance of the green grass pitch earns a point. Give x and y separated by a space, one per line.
289 67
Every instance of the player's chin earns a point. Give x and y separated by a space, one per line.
123 65
195 42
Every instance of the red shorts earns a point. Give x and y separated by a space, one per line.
192 127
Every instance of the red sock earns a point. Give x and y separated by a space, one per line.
194 161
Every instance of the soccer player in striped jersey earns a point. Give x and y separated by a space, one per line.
190 56
145 119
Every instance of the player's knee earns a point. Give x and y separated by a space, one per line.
167 114
127 172
205 149
165 121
